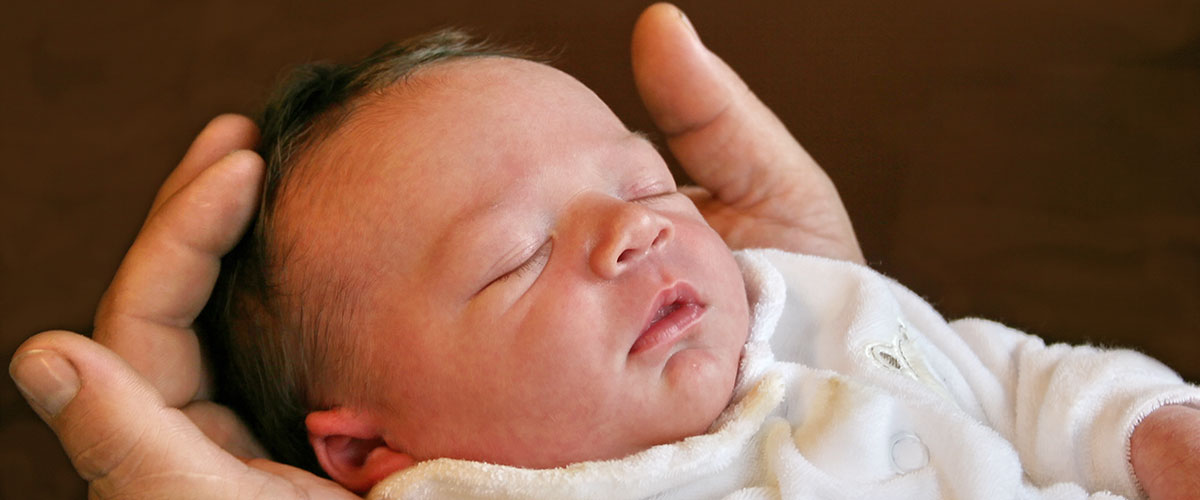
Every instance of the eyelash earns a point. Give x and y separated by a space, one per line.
656 197
526 266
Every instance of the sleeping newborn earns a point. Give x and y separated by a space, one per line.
476 259
469 279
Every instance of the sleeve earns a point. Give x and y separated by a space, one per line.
1068 410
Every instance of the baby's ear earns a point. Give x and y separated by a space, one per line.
351 449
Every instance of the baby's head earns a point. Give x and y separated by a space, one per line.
465 254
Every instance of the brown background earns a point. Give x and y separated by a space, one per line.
1031 163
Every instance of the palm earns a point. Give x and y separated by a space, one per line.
808 222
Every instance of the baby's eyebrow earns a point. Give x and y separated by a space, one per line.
447 238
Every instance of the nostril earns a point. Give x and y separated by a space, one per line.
661 238
629 254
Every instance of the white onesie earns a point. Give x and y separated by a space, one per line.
852 387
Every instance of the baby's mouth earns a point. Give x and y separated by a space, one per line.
665 310
674 310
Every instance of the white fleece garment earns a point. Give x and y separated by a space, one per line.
852 387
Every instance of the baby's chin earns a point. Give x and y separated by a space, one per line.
704 376
703 382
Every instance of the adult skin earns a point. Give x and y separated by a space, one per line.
131 408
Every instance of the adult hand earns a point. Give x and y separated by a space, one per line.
758 187
140 427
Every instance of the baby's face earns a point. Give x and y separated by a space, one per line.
537 292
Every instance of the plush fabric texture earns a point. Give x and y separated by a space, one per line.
853 387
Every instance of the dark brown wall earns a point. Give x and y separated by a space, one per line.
1033 162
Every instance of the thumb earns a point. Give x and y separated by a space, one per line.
111 422
697 194
722 135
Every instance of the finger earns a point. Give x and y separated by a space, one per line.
722 135
112 424
225 429
697 194
146 314
223 135
732 145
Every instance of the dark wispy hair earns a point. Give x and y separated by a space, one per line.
267 341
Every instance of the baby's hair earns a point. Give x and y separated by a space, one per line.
268 337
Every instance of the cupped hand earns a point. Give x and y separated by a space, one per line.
757 185
130 408
128 443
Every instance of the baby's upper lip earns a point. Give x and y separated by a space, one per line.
675 296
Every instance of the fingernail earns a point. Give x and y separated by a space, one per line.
235 152
238 159
687 23
46 379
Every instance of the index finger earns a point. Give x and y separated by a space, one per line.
221 136
166 277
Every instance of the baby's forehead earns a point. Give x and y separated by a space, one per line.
485 111
517 85
438 136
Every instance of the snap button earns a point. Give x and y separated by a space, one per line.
908 453
884 355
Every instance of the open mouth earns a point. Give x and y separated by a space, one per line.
671 315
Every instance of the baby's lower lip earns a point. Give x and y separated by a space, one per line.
670 328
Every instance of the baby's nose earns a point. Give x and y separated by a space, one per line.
629 233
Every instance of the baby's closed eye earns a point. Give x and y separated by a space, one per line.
532 264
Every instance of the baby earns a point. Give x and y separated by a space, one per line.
469 279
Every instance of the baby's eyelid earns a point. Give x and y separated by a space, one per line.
650 187
662 196
657 191
528 265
